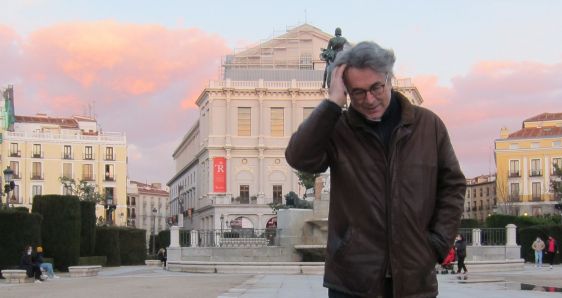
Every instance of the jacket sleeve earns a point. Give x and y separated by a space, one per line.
308 148
451 187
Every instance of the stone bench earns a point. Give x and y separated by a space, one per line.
153 263
17 276
83 271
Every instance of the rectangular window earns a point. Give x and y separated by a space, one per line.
306 112
88 152
535 167
36 171
277 122
67 170
36 190
481 192
514 168
514 192
244 122
109 153
15 195
536 192
468 193
277 194
244 194
36 151
67 153
15 166
514 146
88 172
14 150
487 191
556 162
109 176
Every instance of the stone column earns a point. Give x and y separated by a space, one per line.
194 238
174 236
510 235
476 237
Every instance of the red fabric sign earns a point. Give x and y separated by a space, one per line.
219 174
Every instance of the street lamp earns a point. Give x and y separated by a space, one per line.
222 220
10 185
154 211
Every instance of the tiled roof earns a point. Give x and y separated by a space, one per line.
537 132
545 117
62 122
148 189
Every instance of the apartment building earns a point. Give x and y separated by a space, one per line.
40 149
480 197
148 207
525 162
230 165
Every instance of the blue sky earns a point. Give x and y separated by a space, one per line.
479 64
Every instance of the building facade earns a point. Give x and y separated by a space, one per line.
40 149
525 162
480 197
148 207
230 165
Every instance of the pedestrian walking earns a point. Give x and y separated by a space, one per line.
460 247
538 247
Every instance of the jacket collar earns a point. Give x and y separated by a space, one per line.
356 119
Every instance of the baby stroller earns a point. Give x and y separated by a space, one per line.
447 263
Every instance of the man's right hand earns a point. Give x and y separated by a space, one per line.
338 92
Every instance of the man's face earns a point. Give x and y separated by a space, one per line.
369 91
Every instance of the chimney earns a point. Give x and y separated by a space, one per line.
504 133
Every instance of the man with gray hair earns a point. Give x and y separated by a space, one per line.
397 190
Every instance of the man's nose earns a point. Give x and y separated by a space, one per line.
370 98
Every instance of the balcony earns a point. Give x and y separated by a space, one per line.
109 178
514 198
16 176
514 175
535 173
88 178
474 208
467 209
37 154
68 156
110 157
15 154
536 198
480 208
88 156
37 177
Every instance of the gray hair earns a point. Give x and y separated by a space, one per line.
368 54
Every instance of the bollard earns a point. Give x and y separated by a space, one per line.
511 235
476 237
174 236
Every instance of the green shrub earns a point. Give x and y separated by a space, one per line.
529 234
469 224
60 228
17 229
108 244
88 228
501 220
93 260
21 209
132 243
163 239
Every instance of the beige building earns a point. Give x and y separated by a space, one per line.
480 197
40 149
148 207
230 165
525 162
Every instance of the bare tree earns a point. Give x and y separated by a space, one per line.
505 200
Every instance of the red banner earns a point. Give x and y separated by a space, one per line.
219 174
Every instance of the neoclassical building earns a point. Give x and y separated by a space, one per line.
480 197
230 165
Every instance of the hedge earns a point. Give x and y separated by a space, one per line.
469 224
163 239
60 229
502 220
88 228
108 244
132 244
17 229
529 234
93 260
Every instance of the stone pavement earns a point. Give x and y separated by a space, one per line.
143 281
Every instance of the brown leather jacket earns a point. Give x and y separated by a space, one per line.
398 213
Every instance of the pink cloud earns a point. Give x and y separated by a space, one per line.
492 95
142 79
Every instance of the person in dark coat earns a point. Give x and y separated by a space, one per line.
394 179
460 248
27 264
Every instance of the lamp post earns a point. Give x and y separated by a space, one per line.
222 221
8 175
154 211
110 207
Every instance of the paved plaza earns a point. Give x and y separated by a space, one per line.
143 281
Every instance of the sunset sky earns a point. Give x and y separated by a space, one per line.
140 65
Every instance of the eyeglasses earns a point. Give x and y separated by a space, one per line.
377 89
